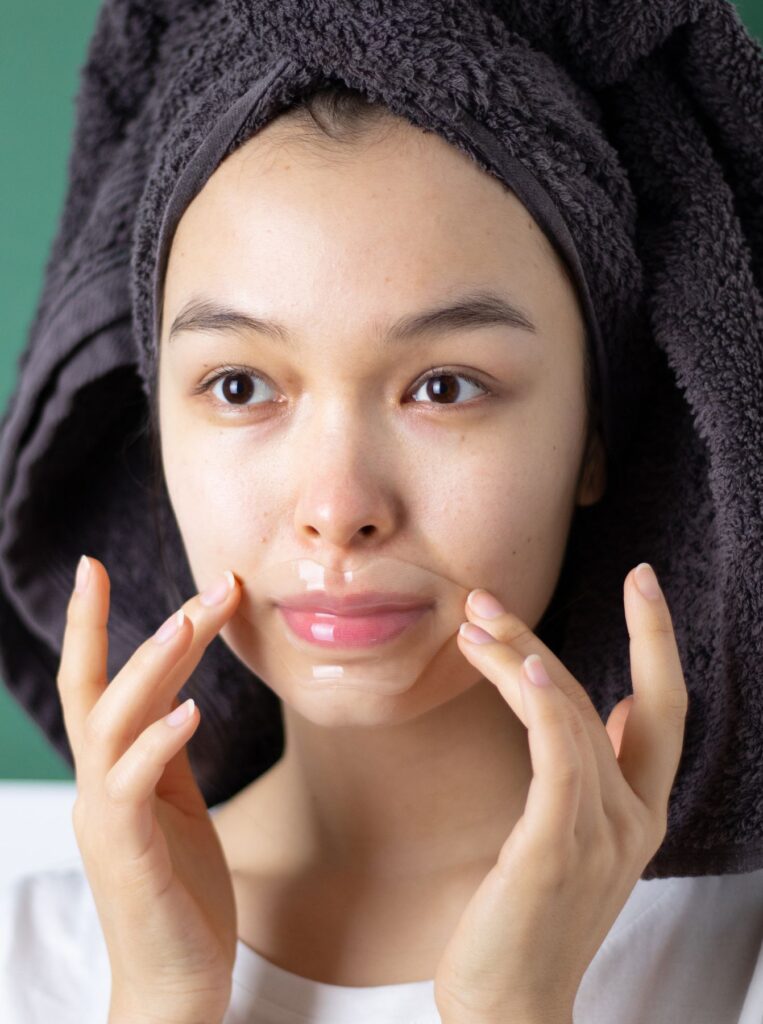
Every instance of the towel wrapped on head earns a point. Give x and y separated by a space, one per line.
633 133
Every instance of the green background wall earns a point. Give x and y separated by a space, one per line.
42 45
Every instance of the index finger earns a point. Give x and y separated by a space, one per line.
82 671
652 741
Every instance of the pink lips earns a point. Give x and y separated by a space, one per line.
347 622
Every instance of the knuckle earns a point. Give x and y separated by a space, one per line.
64 674
580 701
78 624
512 628
660 627
675 704
144 656
70 676
73 611
115 786
549 717
576 724
144 754
566 774
62 682
97 728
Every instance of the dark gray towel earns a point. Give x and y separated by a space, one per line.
633 131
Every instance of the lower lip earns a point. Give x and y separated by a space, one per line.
323 629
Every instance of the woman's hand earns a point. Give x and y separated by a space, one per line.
153 859
596 813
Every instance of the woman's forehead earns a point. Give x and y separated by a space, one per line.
357 229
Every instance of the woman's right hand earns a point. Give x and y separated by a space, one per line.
156 868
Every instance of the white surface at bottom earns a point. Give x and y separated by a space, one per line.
36 831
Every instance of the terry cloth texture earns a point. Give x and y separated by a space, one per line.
633 132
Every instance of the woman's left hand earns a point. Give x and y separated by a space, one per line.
596 813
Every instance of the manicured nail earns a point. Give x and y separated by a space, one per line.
181 713
83 574
485 605
647 581
217 592
475 634
168 629
536 670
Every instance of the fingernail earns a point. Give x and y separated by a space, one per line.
181 713
475 634
485 605
168 629
217 592
83 574
646 581
536 670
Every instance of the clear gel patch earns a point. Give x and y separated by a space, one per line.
378 626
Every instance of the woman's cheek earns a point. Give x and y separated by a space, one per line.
215 507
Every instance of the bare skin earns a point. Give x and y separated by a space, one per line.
384 813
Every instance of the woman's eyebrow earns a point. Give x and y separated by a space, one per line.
483 308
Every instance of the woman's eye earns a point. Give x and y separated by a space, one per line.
445 393
238 387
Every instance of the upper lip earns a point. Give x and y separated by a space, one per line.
374 602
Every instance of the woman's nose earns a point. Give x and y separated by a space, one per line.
342 513
343 495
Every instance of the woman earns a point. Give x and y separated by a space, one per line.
440 835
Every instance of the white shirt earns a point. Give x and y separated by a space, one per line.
681 951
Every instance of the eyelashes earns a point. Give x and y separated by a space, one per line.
229 372
443 372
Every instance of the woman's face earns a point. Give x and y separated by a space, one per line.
325 442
